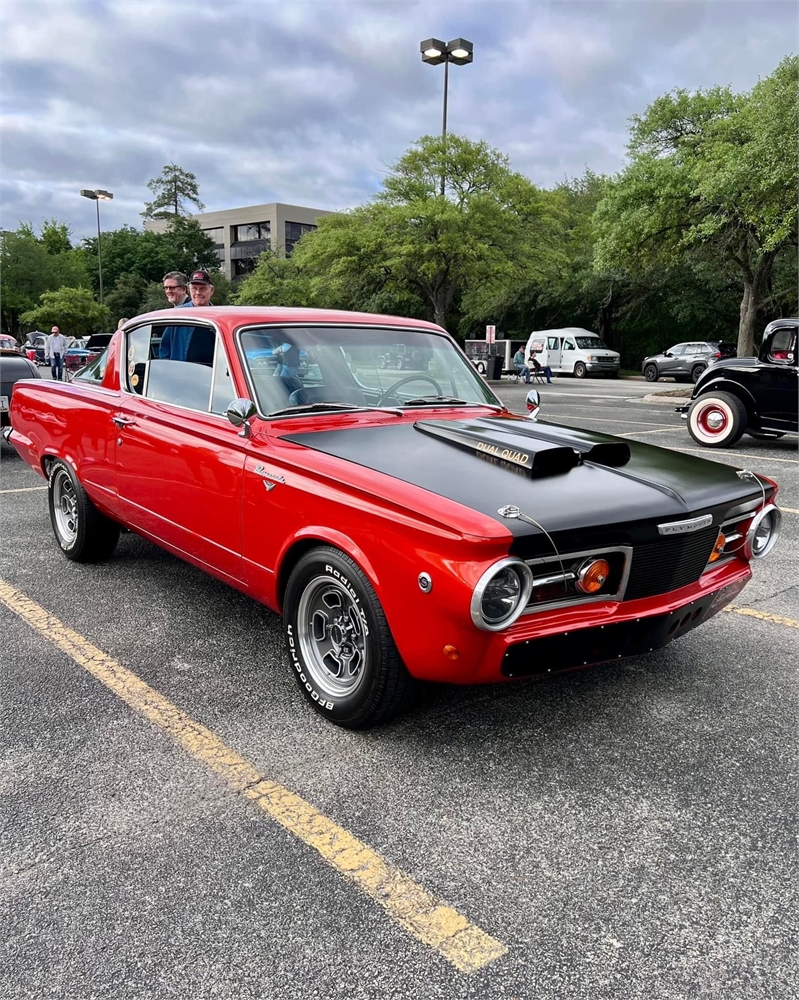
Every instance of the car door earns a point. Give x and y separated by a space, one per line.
674 360
777 382
553 355
179 460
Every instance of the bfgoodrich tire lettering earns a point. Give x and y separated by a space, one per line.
717 420
341 649
82 532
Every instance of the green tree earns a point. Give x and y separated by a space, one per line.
27 270
127 297
712 179
183 247
55 237
73 310
172 189
410 250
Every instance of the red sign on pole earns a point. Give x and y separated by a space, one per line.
491 334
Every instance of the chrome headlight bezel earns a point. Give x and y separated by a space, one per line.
749 547
525 590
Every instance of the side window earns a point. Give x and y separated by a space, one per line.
568 345
137 353
553 343
677 350
783 346
196 376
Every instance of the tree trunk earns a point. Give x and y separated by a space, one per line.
755 284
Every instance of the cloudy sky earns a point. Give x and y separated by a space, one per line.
308 103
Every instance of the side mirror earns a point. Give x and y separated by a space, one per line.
239 413
533 404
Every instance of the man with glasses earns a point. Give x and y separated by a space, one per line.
175 341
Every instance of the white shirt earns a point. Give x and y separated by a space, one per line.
56 344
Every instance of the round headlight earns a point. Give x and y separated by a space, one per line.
763 532
501 594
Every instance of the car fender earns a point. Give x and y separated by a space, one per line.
722 384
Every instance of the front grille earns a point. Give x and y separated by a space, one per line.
670 563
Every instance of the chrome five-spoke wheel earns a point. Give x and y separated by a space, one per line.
65 507
332 637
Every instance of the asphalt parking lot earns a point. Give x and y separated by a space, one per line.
622 832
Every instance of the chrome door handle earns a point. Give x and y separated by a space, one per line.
123 421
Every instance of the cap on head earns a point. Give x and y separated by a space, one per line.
200 278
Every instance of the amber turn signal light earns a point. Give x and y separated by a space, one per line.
592 575
718 548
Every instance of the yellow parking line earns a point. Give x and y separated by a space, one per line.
428 919
25 489
764 616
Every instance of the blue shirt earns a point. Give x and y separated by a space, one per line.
175 341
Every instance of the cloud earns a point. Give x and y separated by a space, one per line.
307 103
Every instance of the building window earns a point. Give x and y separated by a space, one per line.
244 266
217 235
294 231
251 231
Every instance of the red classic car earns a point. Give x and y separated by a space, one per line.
405 525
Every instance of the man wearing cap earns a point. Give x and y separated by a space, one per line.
175 340
55 345
201 288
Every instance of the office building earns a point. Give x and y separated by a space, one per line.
242 234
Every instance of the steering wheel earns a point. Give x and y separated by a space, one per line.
408 378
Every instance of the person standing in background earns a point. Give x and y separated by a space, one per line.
55 346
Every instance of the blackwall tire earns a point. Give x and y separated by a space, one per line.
580 371
400 364
651 373
342 653
717 420
696 371
82 532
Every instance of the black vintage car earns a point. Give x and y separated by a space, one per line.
401 356
755 396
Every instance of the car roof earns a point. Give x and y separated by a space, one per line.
235 316
575 331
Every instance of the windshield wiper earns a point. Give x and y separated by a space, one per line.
434 400
329 407
315 407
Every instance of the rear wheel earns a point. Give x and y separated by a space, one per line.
696 371
344 657
717 420
400 363
580 371
651 373
82 532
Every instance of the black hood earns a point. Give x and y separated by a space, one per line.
565 478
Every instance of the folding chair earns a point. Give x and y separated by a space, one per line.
537 375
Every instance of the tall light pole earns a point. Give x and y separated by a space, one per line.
460 52
97 197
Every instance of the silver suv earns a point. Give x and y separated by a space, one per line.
686 362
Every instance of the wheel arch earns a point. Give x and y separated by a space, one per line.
733 389
311 537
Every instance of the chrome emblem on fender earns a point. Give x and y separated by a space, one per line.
261 470
685 527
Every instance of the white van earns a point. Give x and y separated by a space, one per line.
573 351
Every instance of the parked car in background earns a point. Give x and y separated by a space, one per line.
78 357
9 343
405 525
686 362
401 356
13 367
34 347
754 396
573 351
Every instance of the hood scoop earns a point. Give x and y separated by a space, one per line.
504 446
535 448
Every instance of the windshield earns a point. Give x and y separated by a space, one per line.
358 366
591 344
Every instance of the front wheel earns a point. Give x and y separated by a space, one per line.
580 371
83 533
717 421
342 651
651 373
